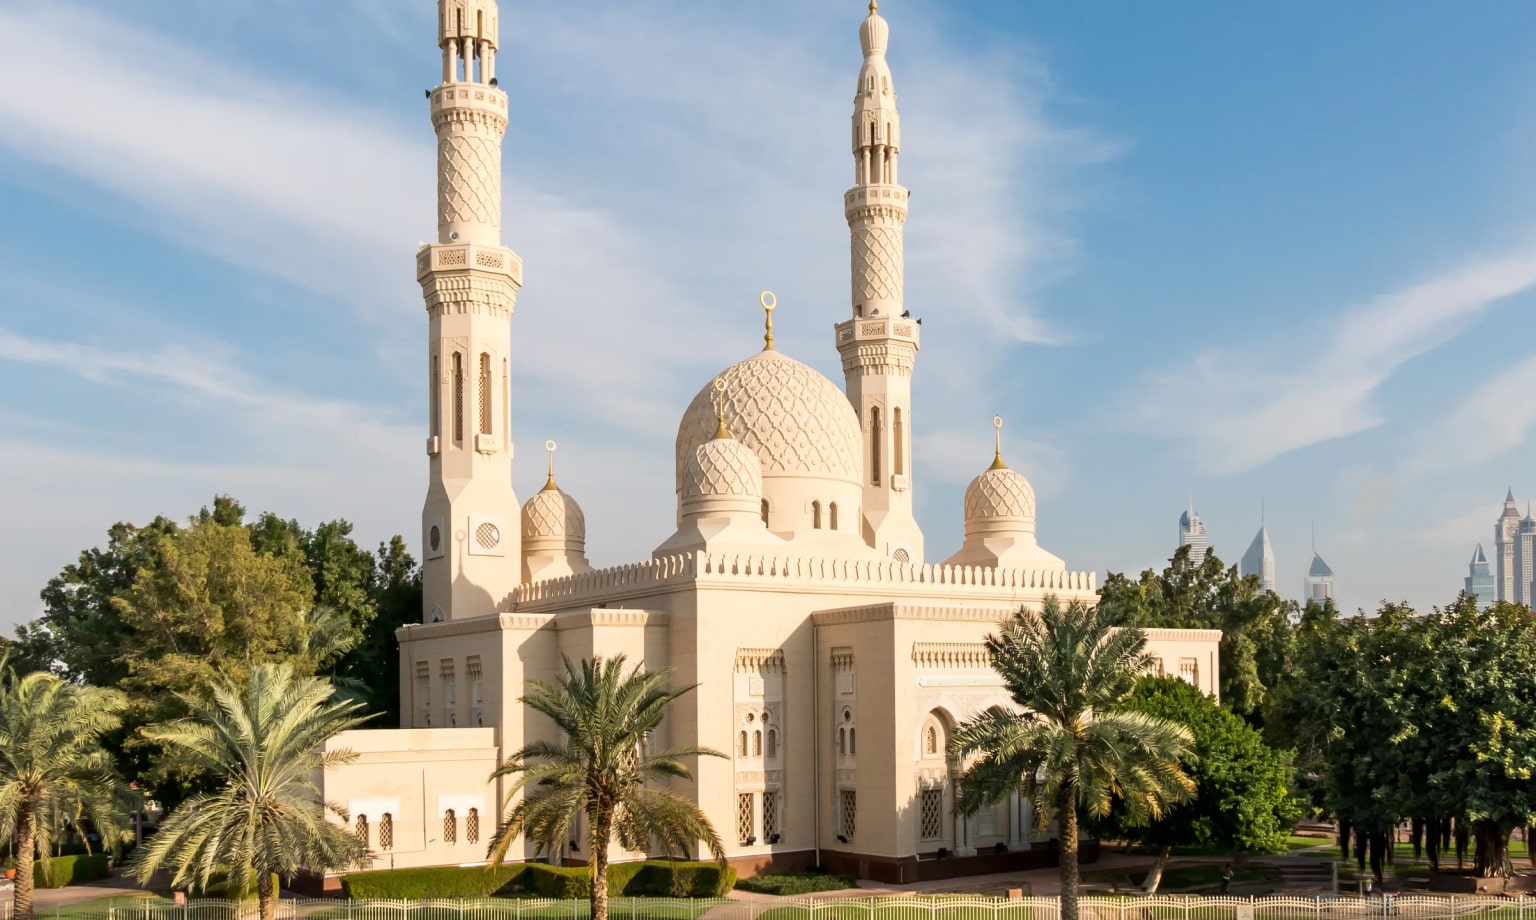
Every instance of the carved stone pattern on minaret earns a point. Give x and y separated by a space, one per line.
877 263
469 180
492 295
882 358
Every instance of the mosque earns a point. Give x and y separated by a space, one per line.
832 650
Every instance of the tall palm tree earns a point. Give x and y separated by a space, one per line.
1071 749
52 765
603 769
261 741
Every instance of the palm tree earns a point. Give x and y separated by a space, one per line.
261 741
603 769
1071 749
52 765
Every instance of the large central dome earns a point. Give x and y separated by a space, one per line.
798 422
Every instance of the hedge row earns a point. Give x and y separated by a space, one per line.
652 878
71 870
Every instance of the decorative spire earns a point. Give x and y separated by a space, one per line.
550 485
874 6
997 453
769 302
722 432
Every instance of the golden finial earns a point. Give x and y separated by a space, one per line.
769 302
874 6
550 485
721 431
997 456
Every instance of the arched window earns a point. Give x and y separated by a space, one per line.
458 398
741 745
931 741
765 512
435 400
898 461
360 829
816 515
853 742
773 743
472 826
842 740
450 827
387 832
874 446
832 515
485 393
757 744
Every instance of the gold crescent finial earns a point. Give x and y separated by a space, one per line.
769 302
550 485
997 456
720 431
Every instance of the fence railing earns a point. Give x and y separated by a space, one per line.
935 907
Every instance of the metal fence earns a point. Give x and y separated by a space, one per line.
937 907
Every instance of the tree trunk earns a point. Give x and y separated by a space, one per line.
1155 876
1461 842
266 896
1360 850
597 860
1433 848
1416 831
1343 839
1067 811
1492 856
1378 841
26 853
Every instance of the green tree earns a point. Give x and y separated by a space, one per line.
1242 801
260 738
52 765
1254 623
395 590
1073 747
603 769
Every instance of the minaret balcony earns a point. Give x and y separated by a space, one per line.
852 332
888 196
456 258
468 95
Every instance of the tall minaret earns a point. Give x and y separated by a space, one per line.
880 342
470 530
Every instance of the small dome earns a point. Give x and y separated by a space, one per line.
723 467
873 33
797 422
1000 494
551 514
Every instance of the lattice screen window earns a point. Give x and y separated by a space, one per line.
424 691
386 832
472 826
744 823
773 742
458 397
770 814
848 811
436 391
450 693
930 816
450 827
476 689
485 393
360 829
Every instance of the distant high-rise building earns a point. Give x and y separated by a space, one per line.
1479 580
1318 585
1514 546
1192 535
1260 559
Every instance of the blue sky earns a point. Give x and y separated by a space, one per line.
1278 254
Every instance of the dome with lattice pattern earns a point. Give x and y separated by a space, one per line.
551 514
797 421
1000 494
723 467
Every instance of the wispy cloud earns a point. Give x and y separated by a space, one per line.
1239 408
1492 419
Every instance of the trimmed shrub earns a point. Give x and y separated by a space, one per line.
71 870
807 883
562 883
663 878
433 882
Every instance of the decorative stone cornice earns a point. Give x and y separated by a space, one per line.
602 616
499 622
842 658
760 660
949 655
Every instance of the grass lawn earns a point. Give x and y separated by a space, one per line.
1202 879
531 909
1295 842
899 909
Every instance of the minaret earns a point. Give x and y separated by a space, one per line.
470 523
879 344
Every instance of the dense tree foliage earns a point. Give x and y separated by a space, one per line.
1242 800
166 610
1255 624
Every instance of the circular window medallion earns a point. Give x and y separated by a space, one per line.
487 535
435 538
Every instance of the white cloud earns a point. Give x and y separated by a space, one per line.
1492 419
1239 408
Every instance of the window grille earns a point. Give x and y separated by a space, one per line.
450 827
741 745
472 826
360 829
436 393
757 744
842 740
930 822
853 742
744 817
849 811
898 463
387 832
931 744
458 398
770 814
485 393
874 439
773 742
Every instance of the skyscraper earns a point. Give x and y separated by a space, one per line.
1192 535
1479 580
1260 559
1514 543
1318 585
